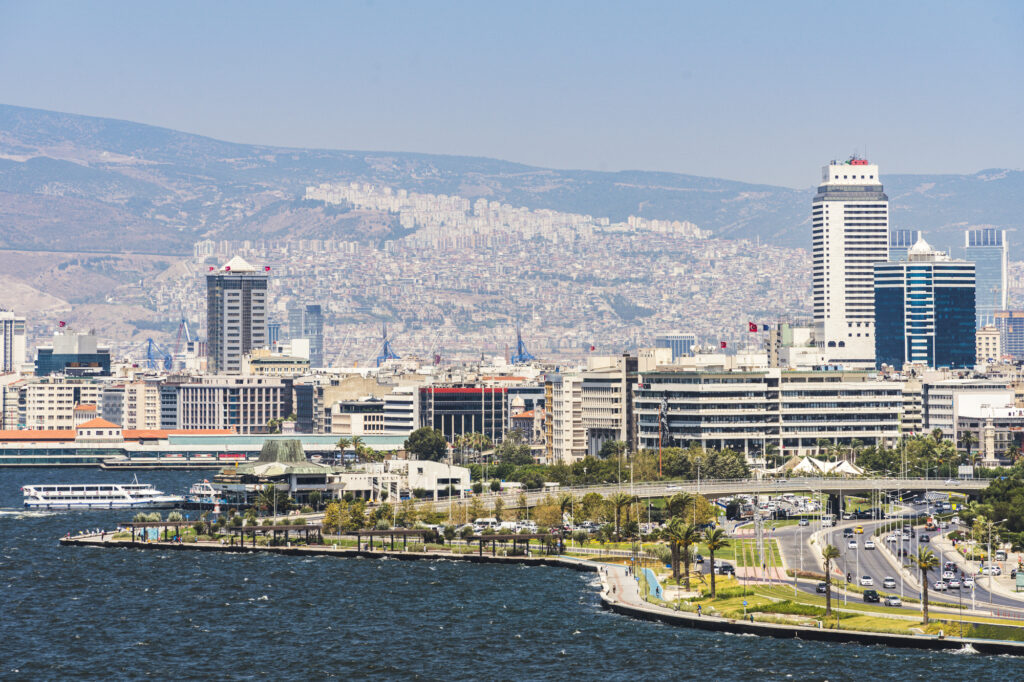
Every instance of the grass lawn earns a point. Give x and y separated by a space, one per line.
747 554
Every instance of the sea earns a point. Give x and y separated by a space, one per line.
90 613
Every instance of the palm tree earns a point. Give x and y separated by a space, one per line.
829 554
925 560
771 454
681 535
714 539
677 504
937 435
566 503
822 443
342 445
967 439
620 500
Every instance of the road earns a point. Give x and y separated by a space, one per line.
860 562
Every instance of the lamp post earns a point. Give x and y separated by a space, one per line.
988 557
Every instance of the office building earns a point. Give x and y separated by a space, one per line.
243 404
946 401
988 249
925 310
680 343
1010 324
273 333
236 315
987 349
12 341
307 323
73 354
458 410
900 242
850 233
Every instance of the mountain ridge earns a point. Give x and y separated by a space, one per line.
142 188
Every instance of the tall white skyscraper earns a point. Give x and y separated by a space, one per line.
12 341
236 314
988 249
850 233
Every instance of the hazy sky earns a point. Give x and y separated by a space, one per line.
757 91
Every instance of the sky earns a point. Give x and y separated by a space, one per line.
754 91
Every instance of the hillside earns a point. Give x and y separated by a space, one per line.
80 183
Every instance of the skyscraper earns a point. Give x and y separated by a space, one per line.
987 249
900 242
850 233
236 315
12 341
313 329
925 310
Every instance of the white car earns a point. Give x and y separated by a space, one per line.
889 583
954 584
867 581
955 520
869 544
967 583
852 544
948 575
892 538
893 600
940 586
993 570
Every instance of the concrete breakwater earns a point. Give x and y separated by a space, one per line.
619 594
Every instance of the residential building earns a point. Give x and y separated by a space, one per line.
567 436
850 233
680 343
987 346
84 413
607 400
49 402
236 315
12 341
987 249
262 362
142 405
925 310
73 354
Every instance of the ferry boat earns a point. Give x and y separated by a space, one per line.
98 496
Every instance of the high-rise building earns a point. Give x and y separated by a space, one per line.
850 233
313 329
900 242
12 341
73 354
680 343
987 249
236 315
273 333
925 310
1010 324
295 326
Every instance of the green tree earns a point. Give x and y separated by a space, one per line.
925 560
499 508
427 443
714 539
829 554
619 501
315 498
967 440
273 499
681 535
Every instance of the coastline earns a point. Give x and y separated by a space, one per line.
619 594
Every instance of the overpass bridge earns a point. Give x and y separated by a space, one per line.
740 486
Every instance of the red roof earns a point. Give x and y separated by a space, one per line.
161 434
85 407
97 424
30 435
524 415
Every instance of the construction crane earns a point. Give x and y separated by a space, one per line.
157 357
521 355
386 353
182 327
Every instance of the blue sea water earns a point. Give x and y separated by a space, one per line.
88 613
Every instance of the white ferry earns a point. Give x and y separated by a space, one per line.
98 496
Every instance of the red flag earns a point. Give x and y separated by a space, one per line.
723 344
228 268
751 327
266 268
211 268
592 348
62 323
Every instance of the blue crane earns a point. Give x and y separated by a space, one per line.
521 355
386 353
157 357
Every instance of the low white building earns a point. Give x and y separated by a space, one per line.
398 478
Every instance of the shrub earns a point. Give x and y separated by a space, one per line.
236 521
199 527
478 488
349 497
306 509
495 485
382 524
298 522
175 516
419 493
267 522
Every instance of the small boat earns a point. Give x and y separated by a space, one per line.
133 495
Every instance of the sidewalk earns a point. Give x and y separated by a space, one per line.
1002 585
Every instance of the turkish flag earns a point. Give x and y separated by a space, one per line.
723 344
62 323
592 348
751 327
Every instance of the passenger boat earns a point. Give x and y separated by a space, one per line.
98 496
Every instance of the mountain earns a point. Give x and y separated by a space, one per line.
80 183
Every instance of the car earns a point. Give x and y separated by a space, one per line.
725 569
804 522
893 600
867 581
948 575
954 584
869 544
852 544
991 570
940 586
820 588
858 530
955 520
871 596
905 537
889 583
847 532
967 583
925 538
949 566
892 538
902 551
848 516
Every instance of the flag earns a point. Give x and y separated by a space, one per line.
62 323
266 268
227 268
592 348
751 327
211 268
723 344
765 327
